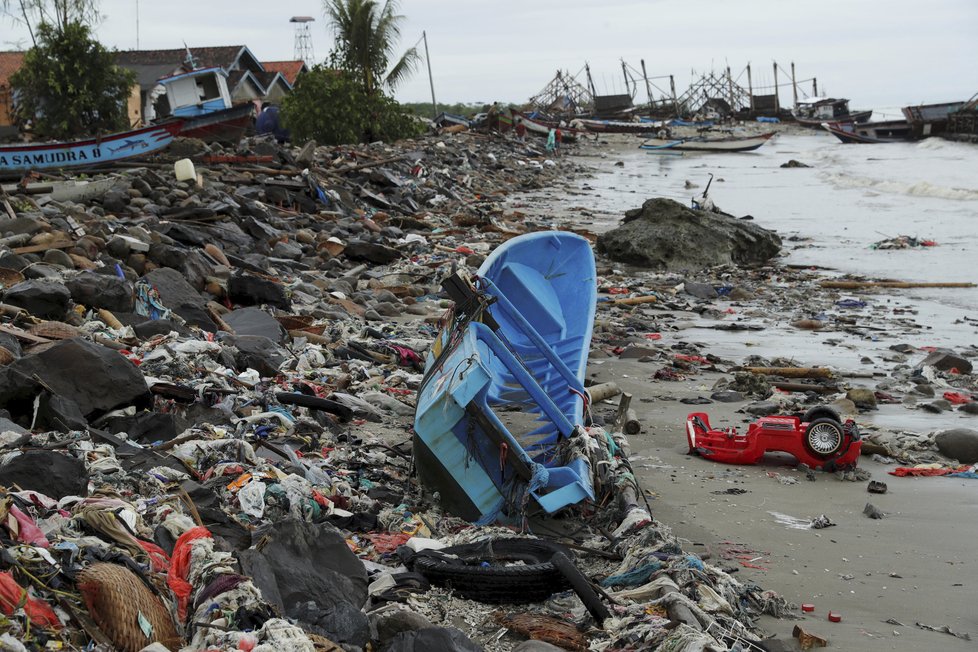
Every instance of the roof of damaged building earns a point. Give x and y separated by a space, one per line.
10 62
290 70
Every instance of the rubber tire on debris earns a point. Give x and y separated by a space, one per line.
315 403
535 580
582 587
823 423
821 412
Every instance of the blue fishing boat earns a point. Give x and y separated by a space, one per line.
87 153
498 427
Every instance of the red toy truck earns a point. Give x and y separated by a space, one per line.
819 439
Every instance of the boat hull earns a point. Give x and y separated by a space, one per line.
500 395
703 144
226 126
89 152
870 132
816 122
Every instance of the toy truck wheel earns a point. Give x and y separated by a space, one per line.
824 437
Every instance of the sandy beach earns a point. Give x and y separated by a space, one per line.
894 580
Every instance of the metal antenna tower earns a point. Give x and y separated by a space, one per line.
303 39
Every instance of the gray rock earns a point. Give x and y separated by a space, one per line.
443 639
844 407
936 407
763 408
700 290
371 252
393 619
945 360
180 297
969 408
96 378
960 444
665 234
252 290
6 425
635 352
255 321
727 396
59 258
260 353
44 299
325 591
51 473
924 389
287 250
537 646
101 291
864 399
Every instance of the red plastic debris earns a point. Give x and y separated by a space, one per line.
835 617
176 577
653 336
957 398
808 607
13 596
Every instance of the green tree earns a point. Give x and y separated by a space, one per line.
332 107
367 34
69 85
59 13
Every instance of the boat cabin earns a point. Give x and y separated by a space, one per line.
192 94
822 108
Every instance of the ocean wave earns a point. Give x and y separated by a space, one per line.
916 189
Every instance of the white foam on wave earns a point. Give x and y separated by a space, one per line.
916 189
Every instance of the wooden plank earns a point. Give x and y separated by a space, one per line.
33 249
23 335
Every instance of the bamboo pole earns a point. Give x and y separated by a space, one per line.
634 301
792 372
802 387
857 285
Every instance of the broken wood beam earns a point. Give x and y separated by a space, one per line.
603 391
34 249
858 285
792 372
624 403
635 301
631 425
804 387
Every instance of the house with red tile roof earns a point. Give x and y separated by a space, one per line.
290 70
10 62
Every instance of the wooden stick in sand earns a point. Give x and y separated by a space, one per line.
792 372
858 285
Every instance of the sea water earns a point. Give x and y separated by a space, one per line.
829 215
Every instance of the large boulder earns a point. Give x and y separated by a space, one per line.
255 321
51 473
960 444
101 291
44 299
97 379
307 571
664 234
180 297
945 360
251 290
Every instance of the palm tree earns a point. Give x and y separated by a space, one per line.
367 33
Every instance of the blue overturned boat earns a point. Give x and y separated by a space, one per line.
498 429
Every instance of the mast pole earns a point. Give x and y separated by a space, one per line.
431 80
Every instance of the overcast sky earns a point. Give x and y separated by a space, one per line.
879 53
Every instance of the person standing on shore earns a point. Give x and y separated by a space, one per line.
552 141
558 138
520 129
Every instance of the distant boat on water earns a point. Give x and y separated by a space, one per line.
814 111
890 131
708 143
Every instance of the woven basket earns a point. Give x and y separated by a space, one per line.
9 277
116 597
55 330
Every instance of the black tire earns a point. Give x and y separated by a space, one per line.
582 587
821 412
824 438
535 580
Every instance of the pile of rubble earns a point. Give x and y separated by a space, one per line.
206 395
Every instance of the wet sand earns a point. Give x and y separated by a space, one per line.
914 566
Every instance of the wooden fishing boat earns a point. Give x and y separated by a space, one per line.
813 112
89 152
540 128
199 98
708 143
614 126
502 399
890 131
